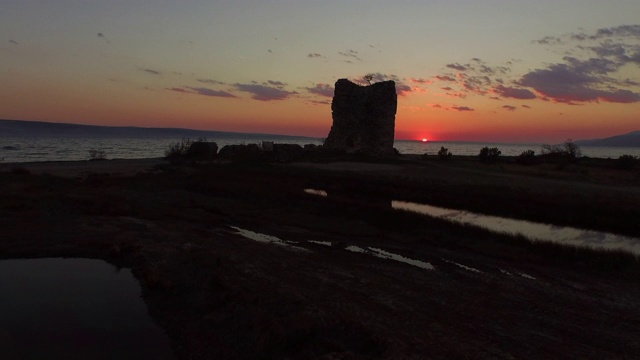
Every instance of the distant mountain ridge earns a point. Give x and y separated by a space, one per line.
631 139
23 128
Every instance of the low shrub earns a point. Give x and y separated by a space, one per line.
527 157
97 155
444 153
626 162
489 154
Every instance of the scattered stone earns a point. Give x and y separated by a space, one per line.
250 152
287 152
202 150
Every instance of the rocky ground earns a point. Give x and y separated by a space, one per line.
237 261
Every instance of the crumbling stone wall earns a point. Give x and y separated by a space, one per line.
363 117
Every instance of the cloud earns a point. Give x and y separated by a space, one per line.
314 55
509 107
526 106
153 72
402 89
101 35
516 93
447 88
320 102
263 92
578 81
321 89
13 42
211 92
462 108
211 81
457 66
350 54
201 91
421 81
278 84
445 78
180 90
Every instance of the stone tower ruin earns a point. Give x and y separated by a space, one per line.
363 118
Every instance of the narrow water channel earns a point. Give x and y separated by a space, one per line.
531 230
75 309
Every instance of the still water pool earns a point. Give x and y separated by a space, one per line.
75 309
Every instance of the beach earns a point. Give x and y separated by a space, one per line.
237 260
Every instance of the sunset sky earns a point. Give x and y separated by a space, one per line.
510 71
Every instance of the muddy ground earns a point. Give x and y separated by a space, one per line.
219 294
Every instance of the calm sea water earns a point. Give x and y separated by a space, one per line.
73 148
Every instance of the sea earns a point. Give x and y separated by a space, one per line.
36 142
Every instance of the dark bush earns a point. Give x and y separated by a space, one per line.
444 153
241 153
568 151
527 157
626 162
489 154
202 150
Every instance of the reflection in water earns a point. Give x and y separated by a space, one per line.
387 255
266 238
325 243
316 192
462 266
75 309
531 230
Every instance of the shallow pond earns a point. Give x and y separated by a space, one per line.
75 309
531 230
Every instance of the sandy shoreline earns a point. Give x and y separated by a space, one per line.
115 167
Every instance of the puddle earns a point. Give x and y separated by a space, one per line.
462 266
526 276
325 243
316 192
390 256
75 309
531 230
267 239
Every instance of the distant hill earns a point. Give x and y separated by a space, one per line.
631 139
22 128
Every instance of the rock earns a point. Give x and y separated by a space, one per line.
202 150
244 153
287 152
363 118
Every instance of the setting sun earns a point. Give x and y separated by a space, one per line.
424 140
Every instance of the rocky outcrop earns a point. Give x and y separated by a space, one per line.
242 153
202 150
363 118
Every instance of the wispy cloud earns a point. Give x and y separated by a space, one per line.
509 107
13 42
202 91
264 93
314 55
457 66
402 88
211 81
590 71
462 108
512 92
445 78
103 37
152 72
351 54
321 89
211 92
